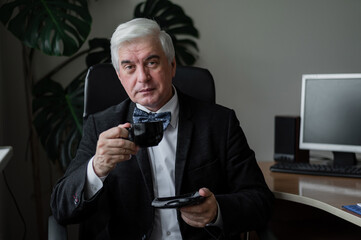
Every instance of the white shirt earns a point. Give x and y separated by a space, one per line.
162 161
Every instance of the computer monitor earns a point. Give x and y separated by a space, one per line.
331 115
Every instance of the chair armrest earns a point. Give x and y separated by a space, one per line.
55 230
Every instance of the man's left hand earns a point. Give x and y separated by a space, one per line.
201 214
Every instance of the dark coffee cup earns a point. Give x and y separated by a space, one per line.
146 134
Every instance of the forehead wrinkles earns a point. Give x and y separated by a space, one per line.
139 50
131 53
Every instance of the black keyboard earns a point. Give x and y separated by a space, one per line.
317 169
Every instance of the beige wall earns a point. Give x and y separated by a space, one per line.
256 50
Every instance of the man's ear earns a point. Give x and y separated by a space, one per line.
174 67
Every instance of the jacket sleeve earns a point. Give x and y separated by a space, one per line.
248 203
67 200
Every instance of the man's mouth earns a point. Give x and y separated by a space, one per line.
146 90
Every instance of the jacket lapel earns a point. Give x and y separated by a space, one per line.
143 159
144 165
185 128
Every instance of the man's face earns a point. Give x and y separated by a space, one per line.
145 73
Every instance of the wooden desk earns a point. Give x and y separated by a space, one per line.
311 193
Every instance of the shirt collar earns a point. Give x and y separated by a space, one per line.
171 106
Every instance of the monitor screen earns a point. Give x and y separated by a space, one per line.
331 112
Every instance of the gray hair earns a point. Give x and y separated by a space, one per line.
135 29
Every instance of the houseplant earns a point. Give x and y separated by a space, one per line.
61 132
54 30
60 28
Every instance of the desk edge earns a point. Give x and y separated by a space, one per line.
320 205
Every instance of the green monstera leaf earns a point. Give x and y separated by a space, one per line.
58 117
58 110
102 54
176 23
54 27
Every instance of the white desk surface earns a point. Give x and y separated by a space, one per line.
5 154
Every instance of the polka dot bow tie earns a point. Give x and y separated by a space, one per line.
142 116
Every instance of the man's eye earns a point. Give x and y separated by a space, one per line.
128 67
152 64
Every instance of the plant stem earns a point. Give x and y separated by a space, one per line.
65 63
78 125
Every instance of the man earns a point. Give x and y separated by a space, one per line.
113 181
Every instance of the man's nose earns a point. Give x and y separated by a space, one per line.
143 74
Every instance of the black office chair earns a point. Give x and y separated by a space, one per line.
102 83
103 89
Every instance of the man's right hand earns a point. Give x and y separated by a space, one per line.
113 147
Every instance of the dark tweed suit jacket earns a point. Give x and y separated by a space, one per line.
212 152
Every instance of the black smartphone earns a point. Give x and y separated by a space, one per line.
178 201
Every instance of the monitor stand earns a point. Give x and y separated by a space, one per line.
344 159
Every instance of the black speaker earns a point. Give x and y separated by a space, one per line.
287 133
